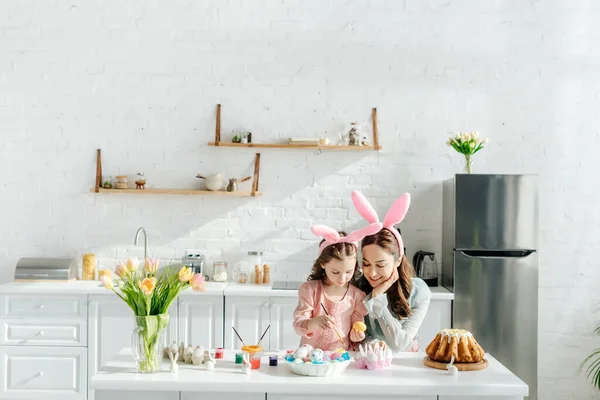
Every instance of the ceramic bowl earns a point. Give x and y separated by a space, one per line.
319 370
214 182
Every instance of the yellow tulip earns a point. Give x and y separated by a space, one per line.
121 270
147 285
185 274
132 264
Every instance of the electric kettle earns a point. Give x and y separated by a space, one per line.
426 269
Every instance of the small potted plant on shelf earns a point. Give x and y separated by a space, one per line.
107 183
593 362
237 139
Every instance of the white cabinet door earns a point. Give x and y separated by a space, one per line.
36 372
250 317
135 395
281 317
221 396
480 398
110 325
439 316
201 321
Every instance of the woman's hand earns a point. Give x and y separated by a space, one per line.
357 336
321 322
381 289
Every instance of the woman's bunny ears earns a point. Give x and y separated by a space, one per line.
395 214
332 236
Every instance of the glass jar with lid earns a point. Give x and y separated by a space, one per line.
241 273
220 271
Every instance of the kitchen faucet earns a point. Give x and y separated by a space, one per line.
137 236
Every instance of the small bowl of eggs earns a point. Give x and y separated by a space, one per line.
309 361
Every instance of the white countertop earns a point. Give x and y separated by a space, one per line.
86 287
212 288
406 376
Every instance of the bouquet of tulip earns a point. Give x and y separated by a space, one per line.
150 294
467 144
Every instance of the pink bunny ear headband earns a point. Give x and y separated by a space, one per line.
332 236
395 214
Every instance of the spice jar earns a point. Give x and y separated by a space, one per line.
121 182
220 271
241 272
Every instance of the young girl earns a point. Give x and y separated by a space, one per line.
329 304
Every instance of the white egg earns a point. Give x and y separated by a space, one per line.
308 346
301 352
298 361
316 355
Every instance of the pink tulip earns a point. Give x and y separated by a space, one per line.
197 283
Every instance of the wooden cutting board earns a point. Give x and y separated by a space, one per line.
483 364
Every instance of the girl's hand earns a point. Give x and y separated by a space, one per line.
322 322
381 289
357 336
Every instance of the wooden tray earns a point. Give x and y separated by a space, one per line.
483 364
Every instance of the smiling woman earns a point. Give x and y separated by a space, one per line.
397 302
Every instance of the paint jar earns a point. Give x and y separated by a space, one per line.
239 358
272 361
219 352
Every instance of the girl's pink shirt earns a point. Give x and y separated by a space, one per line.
345 312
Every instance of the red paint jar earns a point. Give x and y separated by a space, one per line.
255 363
219 352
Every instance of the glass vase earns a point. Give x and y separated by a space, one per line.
468 164
147 341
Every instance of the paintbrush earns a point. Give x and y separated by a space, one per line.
334 327
239 337
263 335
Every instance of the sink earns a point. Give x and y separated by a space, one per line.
286 285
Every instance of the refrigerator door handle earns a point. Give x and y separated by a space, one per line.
496 253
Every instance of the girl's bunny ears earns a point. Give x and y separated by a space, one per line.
332 236
395 214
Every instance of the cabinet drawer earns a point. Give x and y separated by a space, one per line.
19 332
28 306
43 372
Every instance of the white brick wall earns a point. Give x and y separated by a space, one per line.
140 79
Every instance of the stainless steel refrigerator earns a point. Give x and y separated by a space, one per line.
490 262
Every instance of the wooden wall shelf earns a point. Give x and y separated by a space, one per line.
219 143
254 192
293 146
177 191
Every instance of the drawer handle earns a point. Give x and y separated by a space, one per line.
41 306
41 333
40 374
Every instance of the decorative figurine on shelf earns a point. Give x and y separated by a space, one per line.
187 354
140 182
173 367
233 187
246 363
107 183
354 135
365 141
249 136
180 353
244 138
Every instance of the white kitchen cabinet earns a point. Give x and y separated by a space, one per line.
480 398
281 318
250 317
34 372
221 396
200 321
136 395
110 326
334 397
439 316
